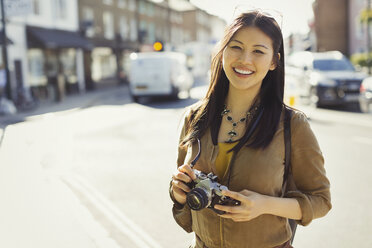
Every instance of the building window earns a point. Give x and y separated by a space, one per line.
157 11
123 28
176 17
165 13
132 5
166 34
36 7
36 67
61 9
68 62
108 25
158 34
142 7
108 2
88 21
201 18
150 9
133 30
143 31
121 3
151 32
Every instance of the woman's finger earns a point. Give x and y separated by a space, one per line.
188 170
234 195
181 176
178 191
179 195
229 209
180 185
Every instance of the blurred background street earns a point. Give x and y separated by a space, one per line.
88 134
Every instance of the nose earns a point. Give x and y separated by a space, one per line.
246 57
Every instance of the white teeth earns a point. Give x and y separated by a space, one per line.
243 71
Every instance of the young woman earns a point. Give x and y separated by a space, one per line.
239 124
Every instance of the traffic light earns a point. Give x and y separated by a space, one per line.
158 46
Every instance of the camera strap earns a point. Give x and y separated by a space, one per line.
193 162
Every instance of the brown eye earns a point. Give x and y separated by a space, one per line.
258 51
236 47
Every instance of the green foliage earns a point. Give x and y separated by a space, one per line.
365 15
361 59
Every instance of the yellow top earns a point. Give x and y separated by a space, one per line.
223 158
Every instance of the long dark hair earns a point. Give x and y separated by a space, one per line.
207 114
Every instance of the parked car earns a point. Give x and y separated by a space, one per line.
326 78
158 74
365 98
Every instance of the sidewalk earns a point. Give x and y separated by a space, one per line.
37 209
69 103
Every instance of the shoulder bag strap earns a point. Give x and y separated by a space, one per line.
287 161
287 143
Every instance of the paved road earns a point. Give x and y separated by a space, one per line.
112 162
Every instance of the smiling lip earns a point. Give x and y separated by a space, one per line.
243 72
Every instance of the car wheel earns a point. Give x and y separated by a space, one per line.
135 98
314 98
175 92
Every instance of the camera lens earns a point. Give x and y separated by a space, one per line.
197 199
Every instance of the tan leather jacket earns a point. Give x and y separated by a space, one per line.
260 171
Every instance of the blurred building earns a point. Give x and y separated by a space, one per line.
345 31
331 25
112 27
197 37
47 55
66 46
197 25
120 27
357 27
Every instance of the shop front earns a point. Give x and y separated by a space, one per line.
56 62
108 61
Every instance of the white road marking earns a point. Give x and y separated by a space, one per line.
117 217
362 140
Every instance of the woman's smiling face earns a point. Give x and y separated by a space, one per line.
247 58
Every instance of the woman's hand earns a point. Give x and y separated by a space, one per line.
252 205
184 174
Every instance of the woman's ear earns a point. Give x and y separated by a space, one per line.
275 62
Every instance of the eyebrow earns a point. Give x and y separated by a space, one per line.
257 45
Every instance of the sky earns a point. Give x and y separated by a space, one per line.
295 13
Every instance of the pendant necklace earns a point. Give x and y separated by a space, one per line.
232 133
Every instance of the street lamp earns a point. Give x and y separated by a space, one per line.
5 53
368 36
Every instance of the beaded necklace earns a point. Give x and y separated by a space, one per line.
232 133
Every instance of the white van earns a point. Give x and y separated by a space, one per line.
158 74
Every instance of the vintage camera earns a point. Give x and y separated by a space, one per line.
206 192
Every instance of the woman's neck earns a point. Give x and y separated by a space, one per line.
239 101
